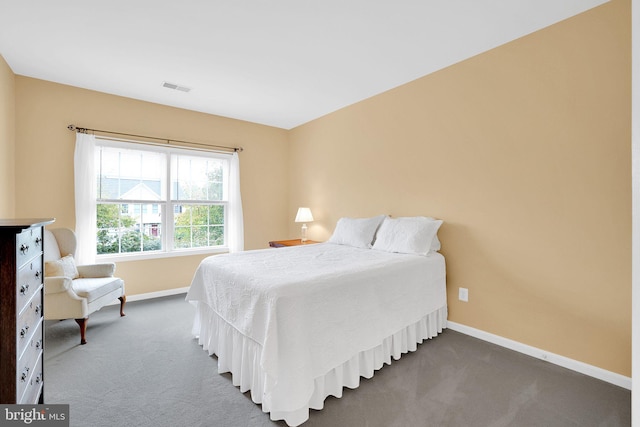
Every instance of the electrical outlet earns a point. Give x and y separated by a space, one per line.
463 294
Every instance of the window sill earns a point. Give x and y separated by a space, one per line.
155 255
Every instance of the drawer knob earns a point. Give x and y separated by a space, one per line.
39 378
38 275
39 344
24 248
24 289
23 331
24 375
38 240
38 309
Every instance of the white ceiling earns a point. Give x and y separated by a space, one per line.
276 62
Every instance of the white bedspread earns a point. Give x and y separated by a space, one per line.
313 307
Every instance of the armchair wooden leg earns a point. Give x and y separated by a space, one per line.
83 329
123 300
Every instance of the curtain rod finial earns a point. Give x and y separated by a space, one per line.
71 127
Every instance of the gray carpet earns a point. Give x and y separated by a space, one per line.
146 370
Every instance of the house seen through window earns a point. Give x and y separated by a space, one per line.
157 199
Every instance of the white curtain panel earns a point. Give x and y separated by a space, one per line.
85 190
236 222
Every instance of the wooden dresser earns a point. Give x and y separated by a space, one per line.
21 306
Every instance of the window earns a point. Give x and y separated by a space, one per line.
152 200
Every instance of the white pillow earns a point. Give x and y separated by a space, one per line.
357 232
408 235
65 266
435 244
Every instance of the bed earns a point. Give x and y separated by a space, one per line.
294 325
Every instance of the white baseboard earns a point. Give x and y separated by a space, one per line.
556 359
158 294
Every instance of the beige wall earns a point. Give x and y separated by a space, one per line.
7 140
524 152
45 149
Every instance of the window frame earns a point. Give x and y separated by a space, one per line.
166 205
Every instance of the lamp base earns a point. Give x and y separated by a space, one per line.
303 237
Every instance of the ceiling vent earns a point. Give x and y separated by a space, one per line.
176 87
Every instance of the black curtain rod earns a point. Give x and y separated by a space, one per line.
75 128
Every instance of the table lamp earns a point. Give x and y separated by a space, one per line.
304 215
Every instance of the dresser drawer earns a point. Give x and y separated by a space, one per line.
28 245
28 321
29 362
30 278
34 384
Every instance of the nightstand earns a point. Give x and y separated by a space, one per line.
294 242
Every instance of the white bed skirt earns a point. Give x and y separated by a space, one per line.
240 356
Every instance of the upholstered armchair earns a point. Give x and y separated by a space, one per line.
74 292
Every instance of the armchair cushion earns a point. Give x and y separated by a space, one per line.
54 285
97 270
65 266
96 287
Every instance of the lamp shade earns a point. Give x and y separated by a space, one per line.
304 215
